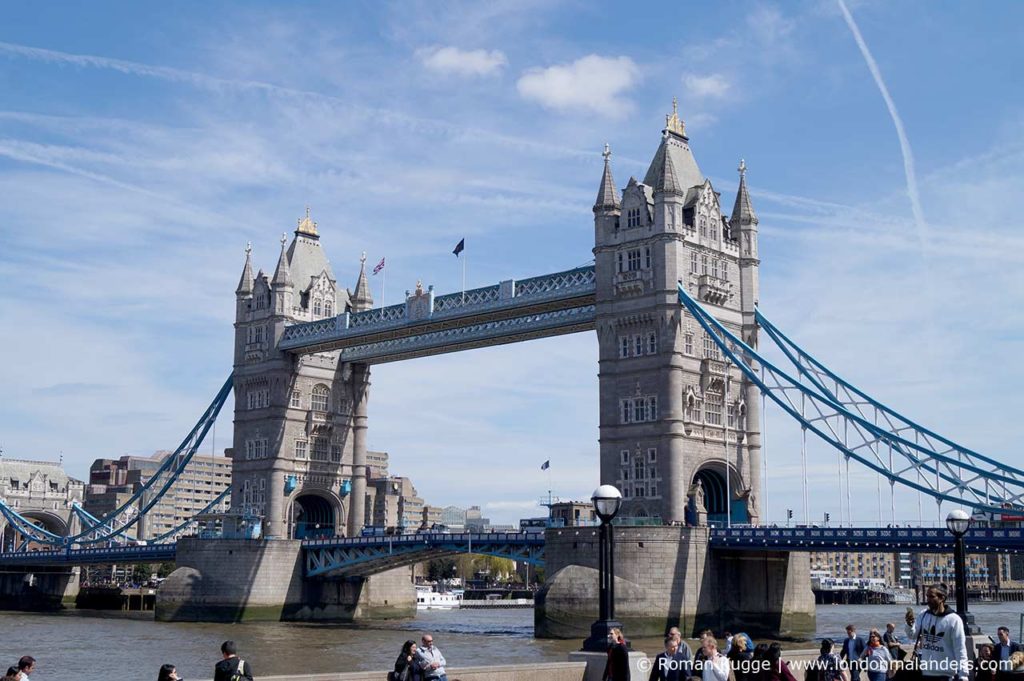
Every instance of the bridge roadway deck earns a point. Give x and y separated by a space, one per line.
366 555
508 312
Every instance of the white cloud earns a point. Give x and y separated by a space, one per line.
453 61
710 86
592 83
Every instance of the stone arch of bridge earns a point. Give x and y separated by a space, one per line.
717 493
315 514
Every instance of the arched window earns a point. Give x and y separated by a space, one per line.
328 309
317 309
321 398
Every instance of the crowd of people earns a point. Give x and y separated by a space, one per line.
933 647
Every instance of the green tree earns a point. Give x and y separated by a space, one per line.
440 568
141 573
166 569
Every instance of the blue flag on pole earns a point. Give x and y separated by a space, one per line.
546 465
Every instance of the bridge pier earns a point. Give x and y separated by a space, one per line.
38 588
234 580
669 576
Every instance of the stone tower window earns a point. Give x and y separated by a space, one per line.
321 398
296 399
694 262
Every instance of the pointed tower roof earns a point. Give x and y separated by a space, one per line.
282 275
675 144
667 181
245 283
607 197
362 299
743 210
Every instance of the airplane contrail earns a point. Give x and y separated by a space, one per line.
908 154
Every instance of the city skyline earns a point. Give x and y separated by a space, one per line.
141 166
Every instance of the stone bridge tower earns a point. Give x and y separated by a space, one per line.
675 418
299 454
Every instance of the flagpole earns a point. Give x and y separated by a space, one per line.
383 282
464 280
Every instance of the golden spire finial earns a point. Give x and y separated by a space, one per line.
673 123
306 225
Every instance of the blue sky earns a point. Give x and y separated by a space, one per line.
141 147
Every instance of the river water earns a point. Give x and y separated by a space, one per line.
73 645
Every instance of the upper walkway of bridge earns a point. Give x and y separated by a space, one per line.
425 324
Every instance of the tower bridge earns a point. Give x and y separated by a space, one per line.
672 297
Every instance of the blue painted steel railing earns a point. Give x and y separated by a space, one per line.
369 555
987 540
99 555
858 438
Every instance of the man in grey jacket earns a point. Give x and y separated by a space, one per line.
431 660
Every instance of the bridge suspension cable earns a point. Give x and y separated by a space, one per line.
846 428
851 397
118 522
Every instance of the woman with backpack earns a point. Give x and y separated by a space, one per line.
406 668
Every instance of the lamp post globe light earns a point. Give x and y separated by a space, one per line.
607 501
958 522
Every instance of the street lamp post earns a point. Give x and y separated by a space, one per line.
958 522
607 500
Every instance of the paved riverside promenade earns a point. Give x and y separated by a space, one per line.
540 671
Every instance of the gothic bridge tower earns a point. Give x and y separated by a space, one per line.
299 454
675 417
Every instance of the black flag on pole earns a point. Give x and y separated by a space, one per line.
459 247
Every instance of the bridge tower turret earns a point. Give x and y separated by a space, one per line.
295 417
671 411
743 225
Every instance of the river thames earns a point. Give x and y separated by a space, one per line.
79 645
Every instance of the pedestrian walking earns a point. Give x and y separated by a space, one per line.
876 657
986 666
853 648
430 660
673 664
406 666
828 666
1003 649
938 635
617 666
26 666
168 672
891 640
714 665
740 655
773 667
231 667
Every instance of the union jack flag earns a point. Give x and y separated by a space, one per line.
379 266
